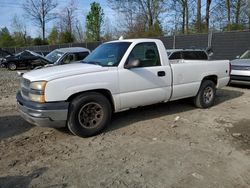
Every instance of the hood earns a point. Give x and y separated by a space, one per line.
41 56
55 72
240 62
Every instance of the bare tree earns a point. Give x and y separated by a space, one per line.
208 3
198 17
228 5
237 13
248 12
185 15
67 17
40 11
79 33
140 16
20 31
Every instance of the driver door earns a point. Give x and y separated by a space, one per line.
147 84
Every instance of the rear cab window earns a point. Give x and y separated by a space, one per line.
175 55
194 55
189 55
82 55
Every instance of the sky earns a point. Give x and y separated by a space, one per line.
9 8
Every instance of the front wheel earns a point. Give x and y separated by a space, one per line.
206 94
2 65
12 66
89 114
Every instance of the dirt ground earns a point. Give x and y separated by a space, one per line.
165 145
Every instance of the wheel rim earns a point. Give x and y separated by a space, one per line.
208 94
90 115
12 66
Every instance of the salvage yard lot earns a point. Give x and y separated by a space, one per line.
164 145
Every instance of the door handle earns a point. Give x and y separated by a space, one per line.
161 73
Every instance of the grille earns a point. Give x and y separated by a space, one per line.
25 85
236 67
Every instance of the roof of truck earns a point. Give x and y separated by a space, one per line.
136 40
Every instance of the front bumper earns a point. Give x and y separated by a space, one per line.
52 114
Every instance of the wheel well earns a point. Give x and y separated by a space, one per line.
104 92
213 78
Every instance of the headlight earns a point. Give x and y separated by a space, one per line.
36 98
36 91
40 86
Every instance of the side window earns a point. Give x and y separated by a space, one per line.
189 55
82 55
195 55
201 55
147 53
175 55
69 58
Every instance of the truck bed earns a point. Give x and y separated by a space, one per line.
188 74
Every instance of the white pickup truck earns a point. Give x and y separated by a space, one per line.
116 76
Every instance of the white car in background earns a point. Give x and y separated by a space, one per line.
240 69
67 55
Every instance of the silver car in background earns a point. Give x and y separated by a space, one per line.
240 69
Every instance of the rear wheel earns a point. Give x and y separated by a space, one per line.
89 114
12 66
206 95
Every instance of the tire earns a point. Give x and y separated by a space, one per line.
89 114
12 66
2 65
206 94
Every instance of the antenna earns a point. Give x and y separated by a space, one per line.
121 38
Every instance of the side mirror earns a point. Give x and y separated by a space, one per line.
237 57
20 74
210 51
132 63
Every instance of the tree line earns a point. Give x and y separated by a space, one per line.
137 18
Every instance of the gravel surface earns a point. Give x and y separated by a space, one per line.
164 145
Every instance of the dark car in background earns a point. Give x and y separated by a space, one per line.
240 69
3 55
188 54
29 59
24 59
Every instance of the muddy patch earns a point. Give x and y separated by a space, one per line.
241 133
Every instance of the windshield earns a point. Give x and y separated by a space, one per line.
108 54
246 55
54 56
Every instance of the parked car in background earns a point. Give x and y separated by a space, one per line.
188 54
24 59
240 69
30 59
67 55
3 55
